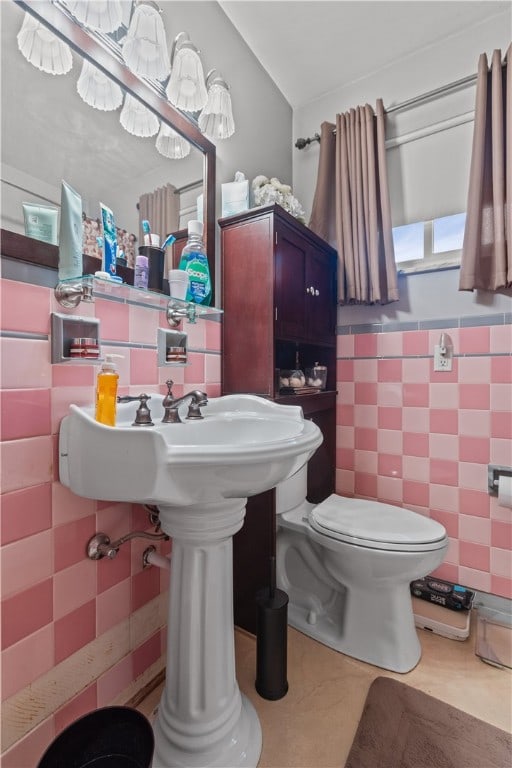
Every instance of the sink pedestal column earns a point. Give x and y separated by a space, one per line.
203 719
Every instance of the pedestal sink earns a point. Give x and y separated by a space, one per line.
199 474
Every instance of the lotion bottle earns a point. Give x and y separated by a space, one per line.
141 275
106 392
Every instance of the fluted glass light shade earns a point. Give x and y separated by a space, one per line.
138 119
216 119
98 90
170 144
43 48
186 89
145 47
102 15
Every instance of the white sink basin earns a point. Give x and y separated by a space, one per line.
243 446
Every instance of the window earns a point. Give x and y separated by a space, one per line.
425 246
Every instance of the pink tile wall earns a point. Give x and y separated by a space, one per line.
54 599
410 436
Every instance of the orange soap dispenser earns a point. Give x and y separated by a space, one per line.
106 392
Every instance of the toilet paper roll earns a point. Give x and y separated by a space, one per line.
505 491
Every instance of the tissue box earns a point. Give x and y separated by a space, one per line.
235 197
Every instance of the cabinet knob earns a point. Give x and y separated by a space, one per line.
317 292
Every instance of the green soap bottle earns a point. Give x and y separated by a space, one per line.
195 262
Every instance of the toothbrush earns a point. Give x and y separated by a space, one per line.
169 240
147 232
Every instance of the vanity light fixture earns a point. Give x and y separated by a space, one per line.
216 119
98 90
170 144
138 119
42 48
144 50
186 88
145 47
101 15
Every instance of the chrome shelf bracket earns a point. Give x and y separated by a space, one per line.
175 314
71 294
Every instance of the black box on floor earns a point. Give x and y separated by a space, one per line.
452 596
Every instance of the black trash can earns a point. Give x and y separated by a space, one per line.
111 737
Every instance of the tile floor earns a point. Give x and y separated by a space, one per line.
314 724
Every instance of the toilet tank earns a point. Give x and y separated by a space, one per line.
292 492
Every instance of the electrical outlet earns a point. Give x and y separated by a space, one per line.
442 362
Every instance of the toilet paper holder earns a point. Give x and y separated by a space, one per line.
493 476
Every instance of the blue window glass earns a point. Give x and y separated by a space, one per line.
409 242
448 233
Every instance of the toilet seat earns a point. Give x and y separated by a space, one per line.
375 525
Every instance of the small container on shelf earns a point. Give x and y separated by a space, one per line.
176 355
316 376
84 348
291 379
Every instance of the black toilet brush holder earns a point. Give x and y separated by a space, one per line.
271 641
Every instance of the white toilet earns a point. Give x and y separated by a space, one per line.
346 565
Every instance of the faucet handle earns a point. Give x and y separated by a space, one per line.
143 415
169 397
198 399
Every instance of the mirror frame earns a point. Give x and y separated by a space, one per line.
94 47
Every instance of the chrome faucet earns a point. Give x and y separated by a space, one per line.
171 405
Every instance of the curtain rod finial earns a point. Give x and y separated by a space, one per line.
302 143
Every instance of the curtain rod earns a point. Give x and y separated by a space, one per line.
188 187
455 85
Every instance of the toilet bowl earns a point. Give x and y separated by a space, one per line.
346 565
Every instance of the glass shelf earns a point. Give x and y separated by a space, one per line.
69 293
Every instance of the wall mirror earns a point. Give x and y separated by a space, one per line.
49 133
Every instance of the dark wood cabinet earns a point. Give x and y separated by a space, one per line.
279 301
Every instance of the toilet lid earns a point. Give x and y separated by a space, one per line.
372 524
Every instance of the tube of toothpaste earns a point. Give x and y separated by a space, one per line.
109 240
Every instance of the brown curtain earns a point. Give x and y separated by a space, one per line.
351 208
486 252
162 209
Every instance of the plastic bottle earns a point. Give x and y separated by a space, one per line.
195 261
140 278
106 392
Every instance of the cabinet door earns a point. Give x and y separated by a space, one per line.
320 296
305 289
290 285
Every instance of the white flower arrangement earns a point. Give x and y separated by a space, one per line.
267 191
